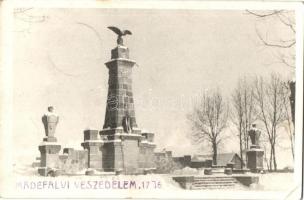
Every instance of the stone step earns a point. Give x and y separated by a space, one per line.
213 182
211 179
211 187
211 176
214 179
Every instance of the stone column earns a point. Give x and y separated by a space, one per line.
94 146
147 146
49 148
255 153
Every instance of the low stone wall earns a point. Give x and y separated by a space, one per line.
73 161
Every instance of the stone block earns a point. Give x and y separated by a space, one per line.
90 135
208 171
94 153
254 146
120 52
187 160
49 148
228 171
90 172
68 150
49 139
148 136
247 180
49 157
255 159
42 171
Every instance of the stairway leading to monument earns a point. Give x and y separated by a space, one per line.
213 182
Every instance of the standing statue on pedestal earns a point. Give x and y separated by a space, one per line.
49 149
255 153
127 124
50 121
254 135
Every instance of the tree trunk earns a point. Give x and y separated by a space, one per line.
241 148
292 147
274 158
266 160
270 159
214 158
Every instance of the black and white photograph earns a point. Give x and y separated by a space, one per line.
151 99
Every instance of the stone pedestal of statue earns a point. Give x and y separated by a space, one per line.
49 157
255 159
255 153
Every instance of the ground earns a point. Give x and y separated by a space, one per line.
26 183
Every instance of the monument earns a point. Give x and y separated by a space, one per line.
49 149
124 141
120 147
255 153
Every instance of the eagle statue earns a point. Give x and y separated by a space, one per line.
119 33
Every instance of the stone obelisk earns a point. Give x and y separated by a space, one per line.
121 147
49 148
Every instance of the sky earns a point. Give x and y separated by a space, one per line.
59 56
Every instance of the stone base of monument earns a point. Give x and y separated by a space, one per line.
228 171
94 146
47 171
247 180
121 151
255 160
90 172
50 139
149 171
208 171
49 157
240 171
43 171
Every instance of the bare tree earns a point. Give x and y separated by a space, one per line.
283 21
209 119
243 113
269 96
285 49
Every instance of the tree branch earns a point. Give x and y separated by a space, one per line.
269 44
264 15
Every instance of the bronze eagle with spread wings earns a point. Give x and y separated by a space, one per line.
119 33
